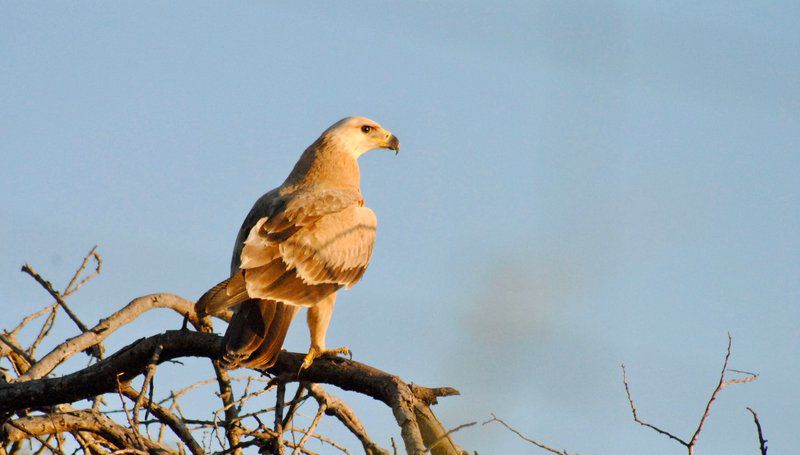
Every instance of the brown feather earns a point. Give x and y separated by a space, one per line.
222 296
267 352
276 281
247 330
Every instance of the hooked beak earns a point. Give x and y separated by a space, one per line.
393 144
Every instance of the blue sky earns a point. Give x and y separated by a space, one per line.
581 184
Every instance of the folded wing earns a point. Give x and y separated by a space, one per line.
309 247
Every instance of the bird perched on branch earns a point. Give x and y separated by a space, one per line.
300 244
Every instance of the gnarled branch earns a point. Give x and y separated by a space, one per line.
418 424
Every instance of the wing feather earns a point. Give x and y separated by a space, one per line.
336 248
310 245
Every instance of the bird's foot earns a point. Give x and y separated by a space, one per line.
315 353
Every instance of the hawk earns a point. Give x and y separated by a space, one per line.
300 244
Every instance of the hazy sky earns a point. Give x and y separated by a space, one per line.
580 185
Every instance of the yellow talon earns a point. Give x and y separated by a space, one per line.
315 353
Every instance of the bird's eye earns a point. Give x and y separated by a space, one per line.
366 129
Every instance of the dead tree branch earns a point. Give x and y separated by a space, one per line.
105 328
525 438
133 360
333 406
165 415
721 384
96 349
89 421
762 443
38 408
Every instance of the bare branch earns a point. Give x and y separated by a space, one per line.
45 329
148 377
71 286
534 442
232 427
164 415
277 448
44 442
336 407
311 428
721 384
90 421
97 352
762 443
267 434
31 317
16 348
636 415
297 400
134 428
106 327
448 433
131 361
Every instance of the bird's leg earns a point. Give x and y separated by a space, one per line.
319 316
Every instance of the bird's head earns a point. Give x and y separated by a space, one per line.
358 135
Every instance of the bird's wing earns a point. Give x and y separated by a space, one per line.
316 243
334 249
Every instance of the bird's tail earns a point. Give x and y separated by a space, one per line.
222 296
255 335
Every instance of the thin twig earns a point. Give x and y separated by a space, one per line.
98 265
337 407
721 384
310 430
27 319
26 268
636 415
44 330
134 428
150 372
298 399
178 393
318 437
167 418
448 433
277 448
534 442
232 426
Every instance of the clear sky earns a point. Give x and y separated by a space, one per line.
580 185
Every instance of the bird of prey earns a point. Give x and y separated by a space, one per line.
300 244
